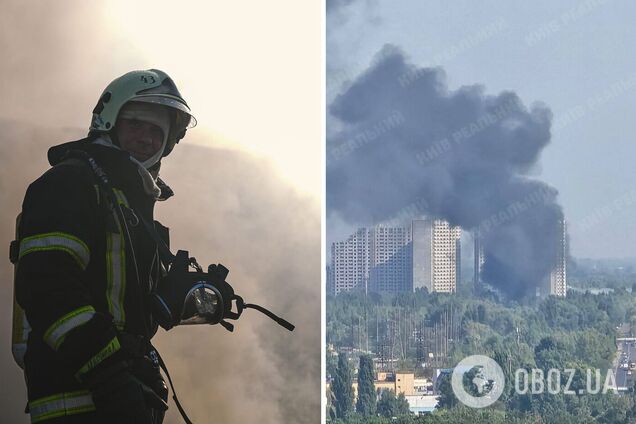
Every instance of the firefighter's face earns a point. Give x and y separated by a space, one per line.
141 139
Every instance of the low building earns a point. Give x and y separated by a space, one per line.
399 383
422 404
422 386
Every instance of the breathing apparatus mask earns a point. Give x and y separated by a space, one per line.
196 297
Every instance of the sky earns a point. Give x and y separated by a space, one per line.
577 58
247 178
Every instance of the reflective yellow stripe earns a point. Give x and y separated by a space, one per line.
96 187
55 334
57 241
112 347
121 197
116 268
59 405
116 274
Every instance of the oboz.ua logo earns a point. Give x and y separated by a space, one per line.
478 381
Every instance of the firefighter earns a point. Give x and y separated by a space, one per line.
86 266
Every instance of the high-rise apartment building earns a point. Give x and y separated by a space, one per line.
555 283
436 255
350 261
558 277
390 259
376 259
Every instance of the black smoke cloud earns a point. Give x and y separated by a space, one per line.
229 208
408 146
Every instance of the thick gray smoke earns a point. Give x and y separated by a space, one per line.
409 146
228 208
53 58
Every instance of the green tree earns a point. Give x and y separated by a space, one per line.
387 404
342 388
366 390
401 405
447 398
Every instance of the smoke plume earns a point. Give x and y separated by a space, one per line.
409 146
228 208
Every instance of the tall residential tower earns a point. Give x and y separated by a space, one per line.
558 281
350 262
436 255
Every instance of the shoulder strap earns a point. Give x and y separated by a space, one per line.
81 158
174 393
167 257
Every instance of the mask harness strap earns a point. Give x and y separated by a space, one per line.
174 393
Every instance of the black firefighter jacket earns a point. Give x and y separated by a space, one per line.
82 285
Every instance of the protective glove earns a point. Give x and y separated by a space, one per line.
169 300
120 397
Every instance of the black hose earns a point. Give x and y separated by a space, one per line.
289 326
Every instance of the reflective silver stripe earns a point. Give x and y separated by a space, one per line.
19 350
54 335
57 241
20 333
116 275
60 405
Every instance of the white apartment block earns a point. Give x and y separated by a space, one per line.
436 255
558 276
555 284
350 262
390 253
398 259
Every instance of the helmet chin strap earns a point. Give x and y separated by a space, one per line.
156 115
148 163
152 161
